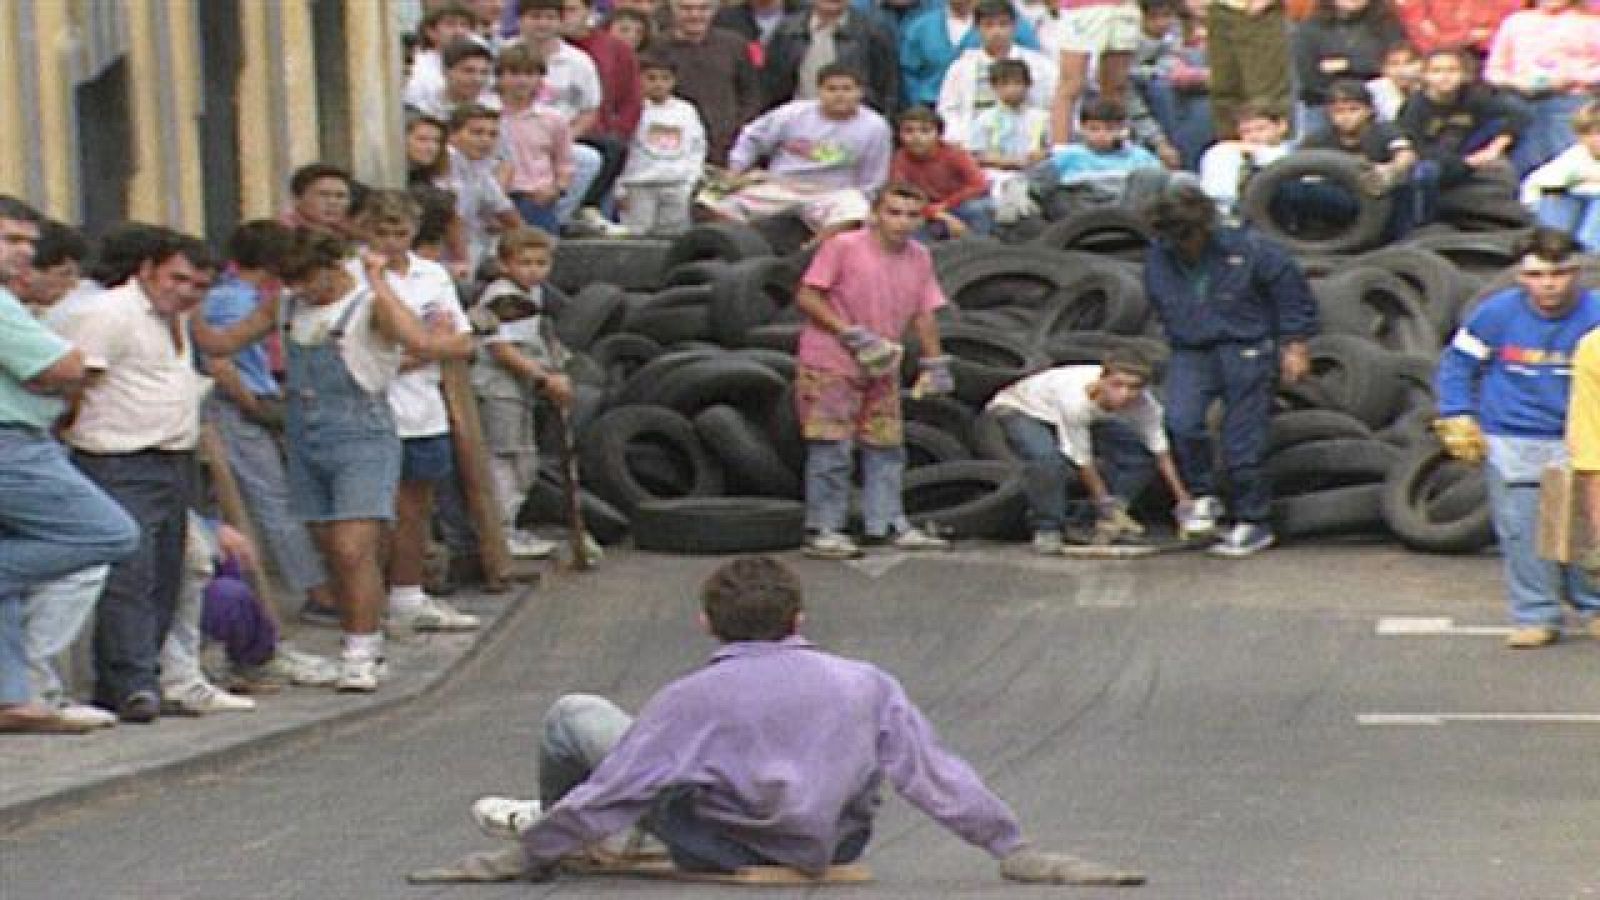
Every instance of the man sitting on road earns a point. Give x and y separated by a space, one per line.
1099 421
773 754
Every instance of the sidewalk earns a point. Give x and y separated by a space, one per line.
46 775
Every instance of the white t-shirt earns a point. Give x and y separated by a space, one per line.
571 82
414 397
371 358
1060 396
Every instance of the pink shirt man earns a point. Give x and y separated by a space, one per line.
870 286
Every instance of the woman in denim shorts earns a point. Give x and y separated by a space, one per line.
343 343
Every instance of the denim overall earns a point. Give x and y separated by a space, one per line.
344 454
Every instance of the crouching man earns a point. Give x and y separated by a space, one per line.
1097 421
774 753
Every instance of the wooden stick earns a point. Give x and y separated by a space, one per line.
472 469
230 501
577 533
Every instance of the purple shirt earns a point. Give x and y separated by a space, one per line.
788 746
808 147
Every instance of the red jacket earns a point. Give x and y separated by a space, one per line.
1432 24
621 96
949 175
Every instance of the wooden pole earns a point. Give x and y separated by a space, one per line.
472 469
231 504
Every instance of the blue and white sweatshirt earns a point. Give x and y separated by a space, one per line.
1512 368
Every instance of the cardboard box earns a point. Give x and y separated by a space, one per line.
1563 529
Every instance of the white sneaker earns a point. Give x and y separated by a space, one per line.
360 674
93 716
831 545
198 697
523 545
592 220
1242 540
915 539
1047 543
433 614
294 667
505 818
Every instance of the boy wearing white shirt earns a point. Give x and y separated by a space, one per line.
1097 421
1564 193
967 89
666 157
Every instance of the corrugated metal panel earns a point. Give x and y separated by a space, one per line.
27 69
102 36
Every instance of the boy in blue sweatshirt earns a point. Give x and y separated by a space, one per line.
1099 171
1503 387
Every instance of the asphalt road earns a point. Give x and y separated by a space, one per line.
1200 720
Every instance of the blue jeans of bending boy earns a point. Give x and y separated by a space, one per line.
1124 463
1534 587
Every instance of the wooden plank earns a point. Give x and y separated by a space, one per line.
230 502
1563 532
472 468
663 869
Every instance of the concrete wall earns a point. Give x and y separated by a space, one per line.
55 49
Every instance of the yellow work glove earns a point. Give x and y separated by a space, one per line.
1462 438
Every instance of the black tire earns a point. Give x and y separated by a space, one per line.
989 440
1435 278
1108 231
974 499
751 463
947 414
701 271
1302 426
637 389
749 293
1485 253
1346 510
724 379
1109 297
783 336
636 264
1366 230
607 444
926 446
1322 465
675 319
596 310
778 361
983 361
783 427
1378 305
727 241
1422 506
1089 348
719 525
621 355
1483 205
547 505
786 233
1350 374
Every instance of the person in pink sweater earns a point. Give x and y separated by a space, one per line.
1549 56
535 138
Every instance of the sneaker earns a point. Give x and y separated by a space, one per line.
360 675
595 222
90 716
505 818
142 707
1243 539
831 545
915 539
293 667
198 697
1200 520
434 614
1047 543
523 545
1533 636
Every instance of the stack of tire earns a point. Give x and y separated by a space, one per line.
687 434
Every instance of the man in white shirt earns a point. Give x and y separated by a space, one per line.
1099 422
442 26
134 433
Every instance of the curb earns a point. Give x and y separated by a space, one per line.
133 781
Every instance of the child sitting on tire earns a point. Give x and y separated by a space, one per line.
1228 165
1106 169
1564 193
1354 129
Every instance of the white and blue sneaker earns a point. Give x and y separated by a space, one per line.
1243 539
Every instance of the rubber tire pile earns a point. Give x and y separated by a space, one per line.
684 365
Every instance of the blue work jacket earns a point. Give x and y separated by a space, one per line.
1244 288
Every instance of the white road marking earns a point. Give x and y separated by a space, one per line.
1444 718
1410 626
876 565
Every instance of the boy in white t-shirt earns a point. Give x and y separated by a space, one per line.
665 158
427 456
1102 423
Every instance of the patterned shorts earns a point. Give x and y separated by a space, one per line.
835 407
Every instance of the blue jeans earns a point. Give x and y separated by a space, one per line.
828 468
977 214
539 215
1577 215
1185 117
580 729
141 595
1534 587
1243 377
257 464
1122 459
55 614
54 521
586 163
1550 132
14 686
